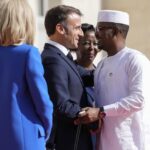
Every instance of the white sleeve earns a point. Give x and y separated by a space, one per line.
138 72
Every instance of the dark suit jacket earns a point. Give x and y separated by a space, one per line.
68 95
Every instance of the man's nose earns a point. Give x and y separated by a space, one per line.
91 46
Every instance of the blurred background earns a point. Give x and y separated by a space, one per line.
139 32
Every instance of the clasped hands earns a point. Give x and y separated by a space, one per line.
89 115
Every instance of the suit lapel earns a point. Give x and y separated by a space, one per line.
65 58
72 65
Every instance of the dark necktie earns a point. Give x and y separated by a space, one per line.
70 56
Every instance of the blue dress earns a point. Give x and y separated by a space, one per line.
25 107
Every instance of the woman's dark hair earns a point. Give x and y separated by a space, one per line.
87 27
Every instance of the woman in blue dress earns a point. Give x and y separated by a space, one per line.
25 107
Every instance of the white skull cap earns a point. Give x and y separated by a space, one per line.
113 16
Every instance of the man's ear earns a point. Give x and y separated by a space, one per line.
60 29
116 31
111 32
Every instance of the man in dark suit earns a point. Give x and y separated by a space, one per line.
63 27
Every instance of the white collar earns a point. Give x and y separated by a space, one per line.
59 46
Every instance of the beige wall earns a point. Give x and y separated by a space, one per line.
88 8
139 33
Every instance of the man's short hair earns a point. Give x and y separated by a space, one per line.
57 15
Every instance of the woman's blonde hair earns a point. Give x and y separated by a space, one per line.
16 22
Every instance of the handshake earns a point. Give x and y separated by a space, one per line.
89 115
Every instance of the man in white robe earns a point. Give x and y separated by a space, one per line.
122 88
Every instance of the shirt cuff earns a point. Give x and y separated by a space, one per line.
110 110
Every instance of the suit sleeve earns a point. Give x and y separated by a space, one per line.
57 78
38 89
